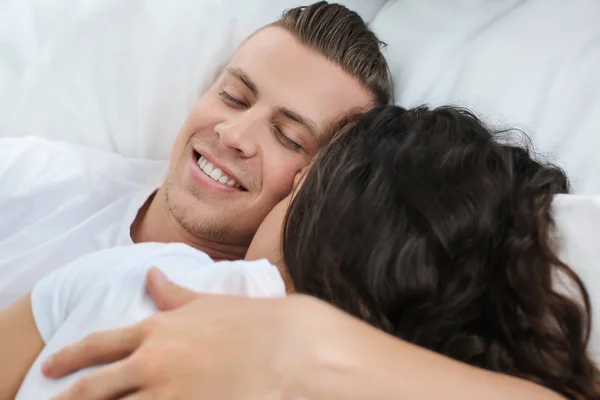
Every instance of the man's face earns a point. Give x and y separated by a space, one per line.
242 144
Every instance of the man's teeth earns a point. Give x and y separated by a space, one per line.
215 173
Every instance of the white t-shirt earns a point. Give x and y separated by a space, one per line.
106 290
59 202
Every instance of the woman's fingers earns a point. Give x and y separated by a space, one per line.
166 294
109 382
97 348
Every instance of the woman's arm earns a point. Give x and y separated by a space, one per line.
20 344
226 347
355 361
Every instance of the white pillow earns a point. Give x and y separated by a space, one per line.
529 64
577 219
122 75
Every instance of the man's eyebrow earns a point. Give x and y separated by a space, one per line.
308 124
242 76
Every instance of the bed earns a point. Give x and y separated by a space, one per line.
121 76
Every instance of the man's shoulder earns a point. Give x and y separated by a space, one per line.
146 253
185 265
121 270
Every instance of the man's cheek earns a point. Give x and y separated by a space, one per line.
285 183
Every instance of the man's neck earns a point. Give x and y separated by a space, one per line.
154 223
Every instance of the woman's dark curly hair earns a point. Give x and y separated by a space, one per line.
426 225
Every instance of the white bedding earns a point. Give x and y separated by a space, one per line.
528 64
122 75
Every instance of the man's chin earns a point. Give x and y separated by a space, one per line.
205 220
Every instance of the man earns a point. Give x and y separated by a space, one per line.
235 157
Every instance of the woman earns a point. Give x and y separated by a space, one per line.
440 231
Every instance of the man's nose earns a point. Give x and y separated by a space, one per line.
242 132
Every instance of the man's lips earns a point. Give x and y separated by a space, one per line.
216 173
